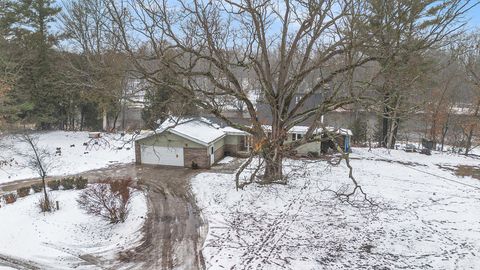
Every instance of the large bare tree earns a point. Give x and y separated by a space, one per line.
209 44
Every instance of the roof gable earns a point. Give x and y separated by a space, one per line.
193 129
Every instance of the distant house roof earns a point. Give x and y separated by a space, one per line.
265 114
304 129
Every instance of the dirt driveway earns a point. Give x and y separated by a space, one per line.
174 230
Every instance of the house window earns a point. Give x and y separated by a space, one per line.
211 150
296 136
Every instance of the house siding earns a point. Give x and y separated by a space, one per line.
198 155
219 153
309 147
232 144
231 149
218 150
168 139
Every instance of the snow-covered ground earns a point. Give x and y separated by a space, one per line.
426 218
74 158
226 160
68 238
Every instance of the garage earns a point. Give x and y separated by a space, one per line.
158 155
193 143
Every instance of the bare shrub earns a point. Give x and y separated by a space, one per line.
81 182
10 198
68 183
54 184
46 206
23 192
108 199
37 187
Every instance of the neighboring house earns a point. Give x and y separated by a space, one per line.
265 114
201 142
342 138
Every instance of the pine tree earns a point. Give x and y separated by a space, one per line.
34 98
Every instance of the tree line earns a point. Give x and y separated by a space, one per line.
74 64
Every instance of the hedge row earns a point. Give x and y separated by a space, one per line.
67 184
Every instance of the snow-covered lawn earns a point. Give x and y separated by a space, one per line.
226 160
75 157
423 221
62 239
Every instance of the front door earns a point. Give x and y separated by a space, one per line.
212 155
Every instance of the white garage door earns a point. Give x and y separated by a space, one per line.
157 155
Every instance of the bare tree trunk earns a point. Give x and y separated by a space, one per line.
469 141
444 134
385 121
82 118
468 146
45 194
273 165
392 138
115 119
105 120
273 152
393 125
39 165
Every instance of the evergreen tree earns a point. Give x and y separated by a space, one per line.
34 97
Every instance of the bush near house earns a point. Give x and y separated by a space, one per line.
68 183
81 182
23 191
10 198
54 184
37 187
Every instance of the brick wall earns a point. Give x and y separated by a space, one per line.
198 155
138 156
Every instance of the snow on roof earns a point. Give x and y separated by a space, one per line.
299 129
342 131
205 131
304 129
144 134
233 131
199 130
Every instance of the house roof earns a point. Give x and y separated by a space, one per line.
204 131
193 129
